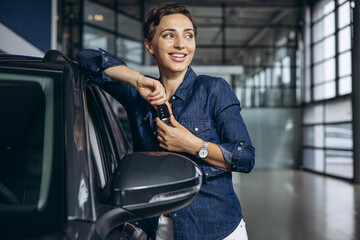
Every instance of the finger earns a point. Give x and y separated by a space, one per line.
151 96
158 102
174 122
163 146
161 125
158 88
161 132
155 92
157 97
161 139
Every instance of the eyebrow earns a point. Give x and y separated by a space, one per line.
173 30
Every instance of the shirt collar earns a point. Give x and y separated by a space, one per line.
186 84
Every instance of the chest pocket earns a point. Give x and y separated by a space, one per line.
200 128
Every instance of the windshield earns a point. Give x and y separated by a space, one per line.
26 138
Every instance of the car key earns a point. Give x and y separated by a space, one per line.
163 113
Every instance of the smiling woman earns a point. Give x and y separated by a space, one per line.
205 123
173 46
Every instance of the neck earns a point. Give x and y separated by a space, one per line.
171 82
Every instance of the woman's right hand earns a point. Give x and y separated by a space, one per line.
151 90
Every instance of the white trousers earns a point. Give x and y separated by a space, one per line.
165 230
239 233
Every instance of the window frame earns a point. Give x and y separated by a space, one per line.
328 103
109 151
54 203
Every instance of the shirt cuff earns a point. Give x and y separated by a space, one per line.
227 154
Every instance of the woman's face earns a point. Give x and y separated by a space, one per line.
173 44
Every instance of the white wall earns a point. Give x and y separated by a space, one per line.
12 43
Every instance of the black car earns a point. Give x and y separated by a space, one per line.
66 167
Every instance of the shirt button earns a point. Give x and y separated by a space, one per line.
196 129
174 214
241 143
206 174
233 166
154 133
239 148
173 97
105 59
103 52
98 69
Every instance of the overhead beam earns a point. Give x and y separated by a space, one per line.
239 25
294 4
261 33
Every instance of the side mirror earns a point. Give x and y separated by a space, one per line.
151 183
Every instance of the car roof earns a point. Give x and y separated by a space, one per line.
52 61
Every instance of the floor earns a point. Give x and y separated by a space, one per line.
298 205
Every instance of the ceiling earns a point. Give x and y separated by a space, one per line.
250 33
243 32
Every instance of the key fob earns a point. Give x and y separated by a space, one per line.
163 113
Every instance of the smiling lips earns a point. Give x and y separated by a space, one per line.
178 57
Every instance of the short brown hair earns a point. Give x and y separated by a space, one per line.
154 16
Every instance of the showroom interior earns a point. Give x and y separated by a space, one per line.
294 66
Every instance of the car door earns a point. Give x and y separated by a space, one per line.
124 179
106 140
31 152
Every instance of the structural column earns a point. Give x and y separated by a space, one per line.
356 90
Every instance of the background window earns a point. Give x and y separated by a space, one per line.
327 125
117 31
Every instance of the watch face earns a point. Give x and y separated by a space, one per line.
203 153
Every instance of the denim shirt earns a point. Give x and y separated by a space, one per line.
208 108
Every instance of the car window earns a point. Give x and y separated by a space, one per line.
118 133
104 155
26 138
95 150
121 117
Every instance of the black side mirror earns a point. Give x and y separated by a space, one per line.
152 183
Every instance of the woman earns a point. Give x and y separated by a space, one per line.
205 116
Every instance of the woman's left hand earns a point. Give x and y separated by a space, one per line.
176 137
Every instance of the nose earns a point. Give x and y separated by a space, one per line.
179 43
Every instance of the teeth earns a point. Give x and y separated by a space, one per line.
178 55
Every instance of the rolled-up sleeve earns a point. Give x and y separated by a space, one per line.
94 62
235 145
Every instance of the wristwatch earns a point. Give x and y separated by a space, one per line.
203 152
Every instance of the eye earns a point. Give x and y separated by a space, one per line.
189 36
168 35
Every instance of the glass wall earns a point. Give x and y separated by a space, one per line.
327 116
271 86
275 134
114 25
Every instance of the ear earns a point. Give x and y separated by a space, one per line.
148 46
